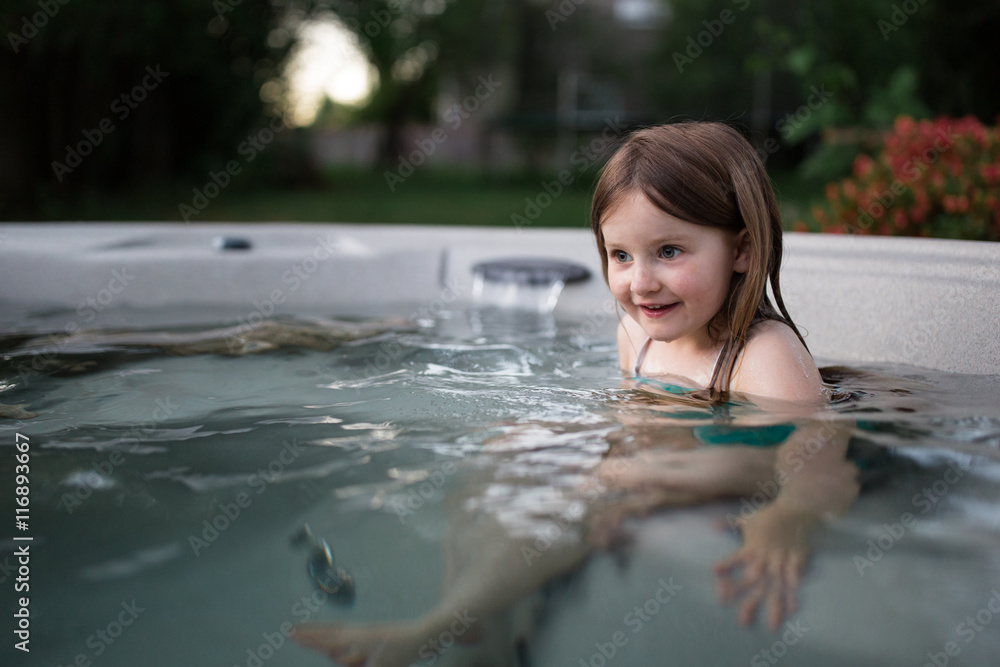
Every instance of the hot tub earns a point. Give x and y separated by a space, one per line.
166 488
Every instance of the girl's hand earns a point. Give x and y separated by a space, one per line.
770 563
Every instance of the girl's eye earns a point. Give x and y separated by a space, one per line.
620 256
668 252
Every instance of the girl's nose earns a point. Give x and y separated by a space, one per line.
643 280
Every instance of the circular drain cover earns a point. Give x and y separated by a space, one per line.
531 271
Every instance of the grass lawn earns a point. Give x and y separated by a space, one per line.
435 203
426 198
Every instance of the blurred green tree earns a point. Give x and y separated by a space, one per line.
106 96
398 39
790 69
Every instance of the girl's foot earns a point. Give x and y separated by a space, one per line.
389 645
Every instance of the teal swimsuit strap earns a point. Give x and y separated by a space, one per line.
640 355
669 388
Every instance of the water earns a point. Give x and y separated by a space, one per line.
167 490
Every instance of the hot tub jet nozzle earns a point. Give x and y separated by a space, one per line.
323 570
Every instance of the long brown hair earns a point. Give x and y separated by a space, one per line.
708 174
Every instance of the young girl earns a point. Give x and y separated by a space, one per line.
689 235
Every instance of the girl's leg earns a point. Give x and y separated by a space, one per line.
488 571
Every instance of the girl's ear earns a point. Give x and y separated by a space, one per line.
741 250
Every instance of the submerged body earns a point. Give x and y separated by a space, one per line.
688 258
503 411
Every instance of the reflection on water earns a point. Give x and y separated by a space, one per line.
507 455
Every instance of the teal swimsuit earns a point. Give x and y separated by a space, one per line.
719 433
722 433
871 460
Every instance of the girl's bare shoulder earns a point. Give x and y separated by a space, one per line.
775 364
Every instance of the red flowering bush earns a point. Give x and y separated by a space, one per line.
936 178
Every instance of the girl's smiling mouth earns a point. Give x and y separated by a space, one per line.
654 310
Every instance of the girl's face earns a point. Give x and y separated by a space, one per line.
670 276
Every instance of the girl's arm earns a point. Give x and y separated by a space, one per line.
815 481
814 478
